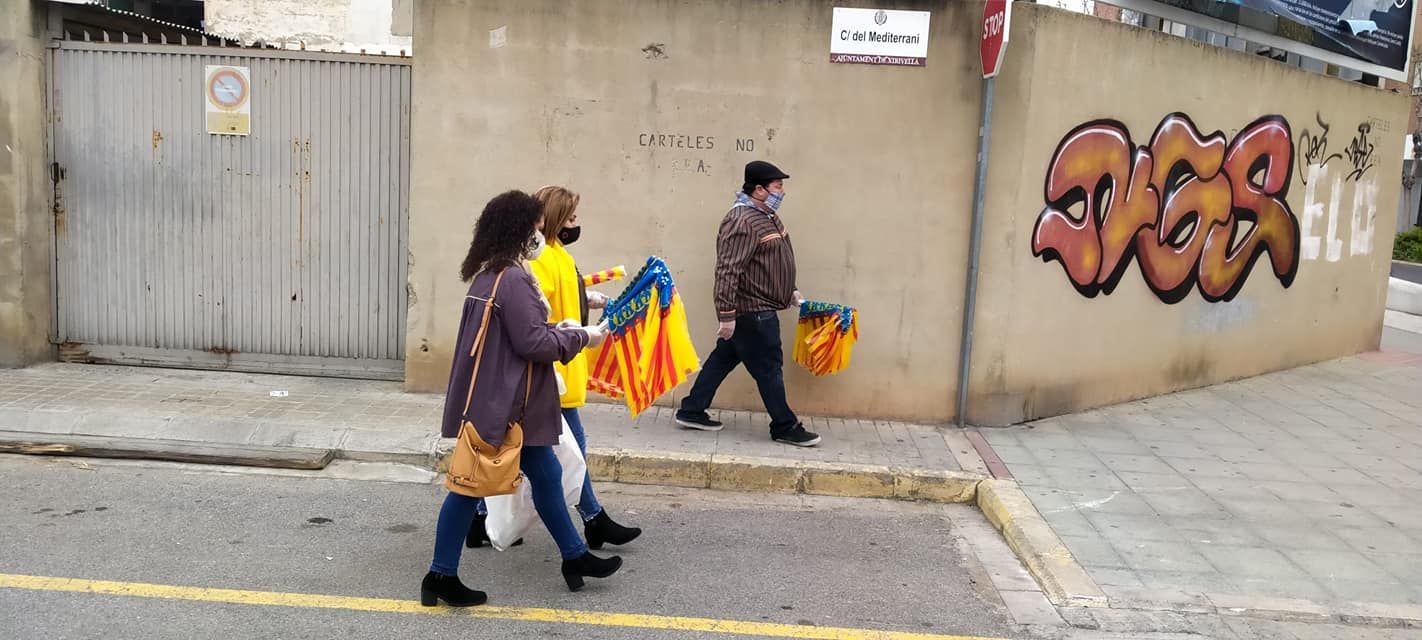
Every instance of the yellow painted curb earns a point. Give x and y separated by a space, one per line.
779 475
1032 539
849 480
774 475
927 485
748 473
602 464
670 469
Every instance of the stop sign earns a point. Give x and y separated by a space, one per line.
995 24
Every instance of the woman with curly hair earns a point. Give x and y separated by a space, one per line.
520 347
569 301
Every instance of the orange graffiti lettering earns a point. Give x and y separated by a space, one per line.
1194 210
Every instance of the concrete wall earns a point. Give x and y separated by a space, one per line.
377 26
593 95
526 93
1048 343
25 256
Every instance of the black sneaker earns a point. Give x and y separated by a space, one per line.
798 437
701 422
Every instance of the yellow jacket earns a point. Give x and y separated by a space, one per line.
558 277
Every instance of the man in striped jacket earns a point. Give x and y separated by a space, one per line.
755 280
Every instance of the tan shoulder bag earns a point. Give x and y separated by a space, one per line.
477 468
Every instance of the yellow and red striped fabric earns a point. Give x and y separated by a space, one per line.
648 351
825 337
606 275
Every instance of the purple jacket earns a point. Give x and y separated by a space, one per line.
519 333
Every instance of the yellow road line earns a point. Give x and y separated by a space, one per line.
522 614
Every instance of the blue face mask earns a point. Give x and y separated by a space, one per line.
774 200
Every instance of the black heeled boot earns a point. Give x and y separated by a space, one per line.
588 566
438 586
479 534
602 529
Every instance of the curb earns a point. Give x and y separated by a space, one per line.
1404 296
775 475
1032 539
48 444
772 475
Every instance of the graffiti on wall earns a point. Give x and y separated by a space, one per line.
1321 218
1313 151
1192 210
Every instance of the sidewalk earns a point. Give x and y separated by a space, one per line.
357 419
376 421
1298 492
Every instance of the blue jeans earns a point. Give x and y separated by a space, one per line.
756 344
545 477
588 506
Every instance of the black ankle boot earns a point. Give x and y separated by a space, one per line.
590 566
479 534
438 586
602 529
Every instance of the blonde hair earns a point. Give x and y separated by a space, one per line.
559 204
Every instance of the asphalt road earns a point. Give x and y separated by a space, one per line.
808 563
1407 271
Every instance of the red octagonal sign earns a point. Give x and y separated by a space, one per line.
996 16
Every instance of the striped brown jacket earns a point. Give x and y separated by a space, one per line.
755 264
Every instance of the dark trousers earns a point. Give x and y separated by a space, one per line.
756 344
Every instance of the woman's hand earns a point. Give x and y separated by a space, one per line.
597 300
596 334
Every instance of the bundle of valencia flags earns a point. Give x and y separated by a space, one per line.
648 350
825 337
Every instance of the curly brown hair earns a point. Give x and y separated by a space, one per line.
501 234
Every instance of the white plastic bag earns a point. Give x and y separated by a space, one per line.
512 516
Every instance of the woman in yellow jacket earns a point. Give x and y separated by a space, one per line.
568 302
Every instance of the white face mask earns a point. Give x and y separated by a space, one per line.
535 245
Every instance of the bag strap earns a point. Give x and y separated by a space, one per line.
477 351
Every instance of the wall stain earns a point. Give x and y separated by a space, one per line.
1189 371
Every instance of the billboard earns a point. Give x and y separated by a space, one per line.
1377 31
1374 36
